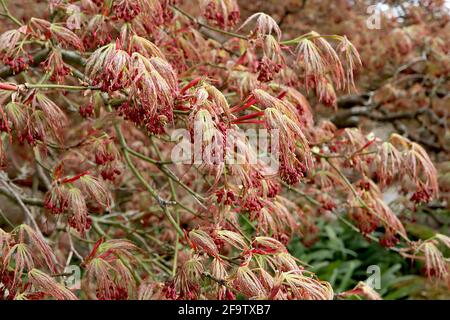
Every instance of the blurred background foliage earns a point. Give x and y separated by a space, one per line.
343 257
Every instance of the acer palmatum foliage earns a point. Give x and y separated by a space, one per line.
92 94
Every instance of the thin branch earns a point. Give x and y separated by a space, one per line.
58 86
22 204
204 25
5 218
8 14
361 201
161 202
28 201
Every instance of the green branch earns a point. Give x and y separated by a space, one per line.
161 202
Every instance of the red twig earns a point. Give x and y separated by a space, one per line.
8 86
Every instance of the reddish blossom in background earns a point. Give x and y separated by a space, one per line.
169 149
